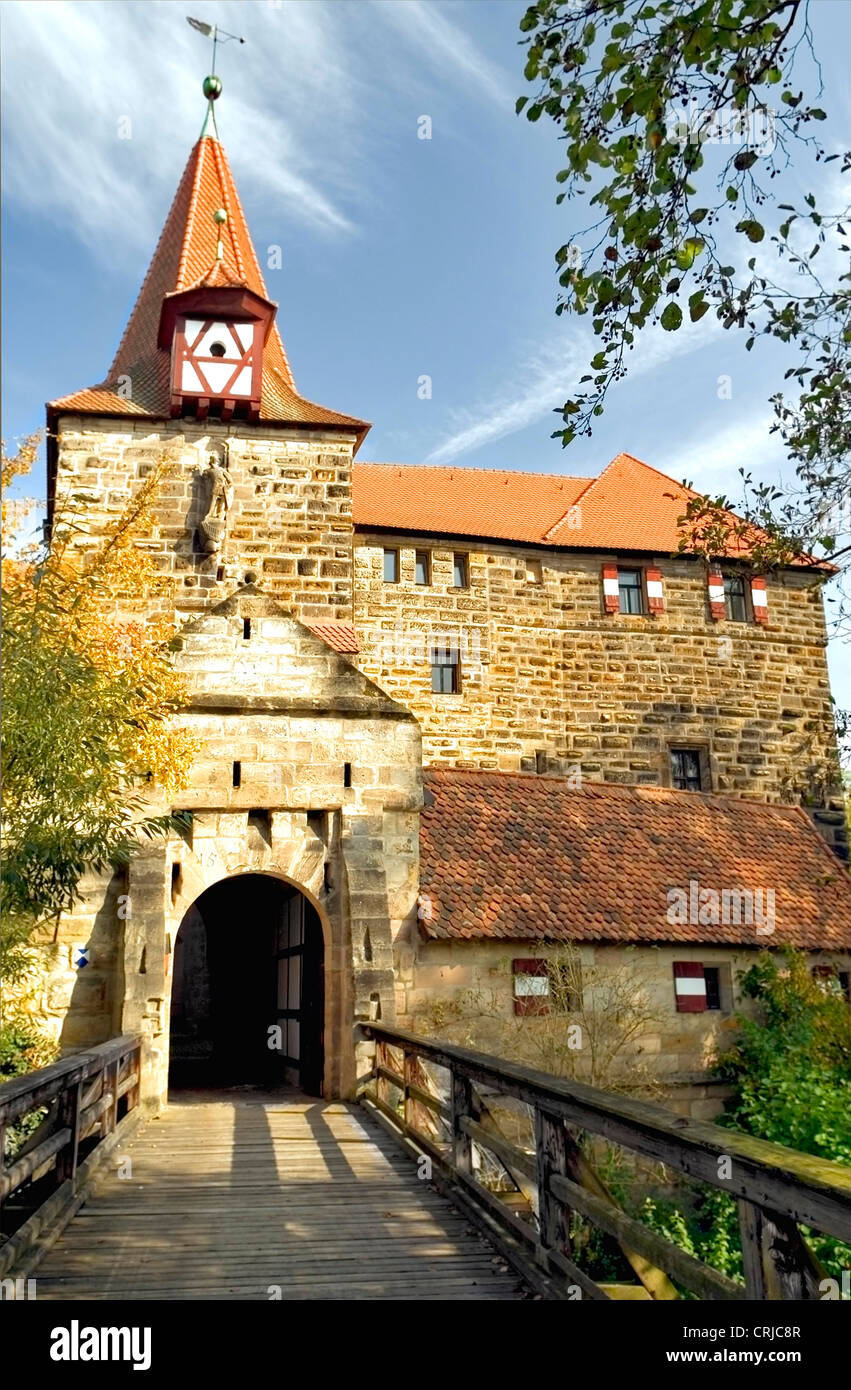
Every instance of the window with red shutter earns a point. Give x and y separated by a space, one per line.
689 987
717 604
759 599
611 590
655 591
531 986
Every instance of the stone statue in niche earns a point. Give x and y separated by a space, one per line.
218 483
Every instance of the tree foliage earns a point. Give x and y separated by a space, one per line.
677 117
88 697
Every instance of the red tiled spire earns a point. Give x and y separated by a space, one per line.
186 258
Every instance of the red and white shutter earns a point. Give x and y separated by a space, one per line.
689 987
717 607
611 593
655 591
531 986
759 599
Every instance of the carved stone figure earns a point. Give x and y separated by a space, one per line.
213 526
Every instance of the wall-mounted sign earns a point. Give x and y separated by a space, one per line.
80 957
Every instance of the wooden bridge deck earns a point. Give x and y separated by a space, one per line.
234 1194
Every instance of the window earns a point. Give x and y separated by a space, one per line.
702 988
712 980
531 987
686 773
544 987
534 572
735 603
391 567
422 567
630 595
445 671
833 981
459 571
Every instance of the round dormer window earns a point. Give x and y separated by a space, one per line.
217 349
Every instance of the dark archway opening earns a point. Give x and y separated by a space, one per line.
247 999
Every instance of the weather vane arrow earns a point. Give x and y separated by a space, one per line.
211 31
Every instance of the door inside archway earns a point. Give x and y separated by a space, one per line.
247 1002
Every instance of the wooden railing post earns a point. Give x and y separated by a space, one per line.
408 1073
777 1262
551 1155
69 1117
462 1106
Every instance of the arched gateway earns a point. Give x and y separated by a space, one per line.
248 988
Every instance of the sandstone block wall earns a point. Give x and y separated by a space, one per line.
548 681
291 519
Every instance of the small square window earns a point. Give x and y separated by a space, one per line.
534 572
630 591
422 567
391 567
459 571
686 771
445 670
735 602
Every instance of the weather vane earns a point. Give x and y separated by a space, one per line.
213 32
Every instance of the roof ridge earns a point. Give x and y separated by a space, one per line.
620 788
600 476
467 468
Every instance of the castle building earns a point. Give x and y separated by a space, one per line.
449 719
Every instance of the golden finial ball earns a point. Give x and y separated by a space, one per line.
220 216
212 87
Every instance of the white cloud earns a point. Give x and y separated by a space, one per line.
447 47
300 116
541 384
712 457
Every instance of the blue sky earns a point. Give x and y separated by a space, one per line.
400 256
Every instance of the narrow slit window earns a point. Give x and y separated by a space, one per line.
246 629
347 774
391 567
237 774
459 571
422 567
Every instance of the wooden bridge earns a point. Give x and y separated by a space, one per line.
454 1176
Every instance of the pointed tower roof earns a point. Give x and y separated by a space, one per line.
195 251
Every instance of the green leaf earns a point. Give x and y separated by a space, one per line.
745 159
672 317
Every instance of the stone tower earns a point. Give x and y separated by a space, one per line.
300 868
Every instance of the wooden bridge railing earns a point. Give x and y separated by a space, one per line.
86 1096
777 1189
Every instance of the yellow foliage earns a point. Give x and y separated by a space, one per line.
87 589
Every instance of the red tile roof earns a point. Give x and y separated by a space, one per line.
522 858
341 636
185 257
462 501
628 507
